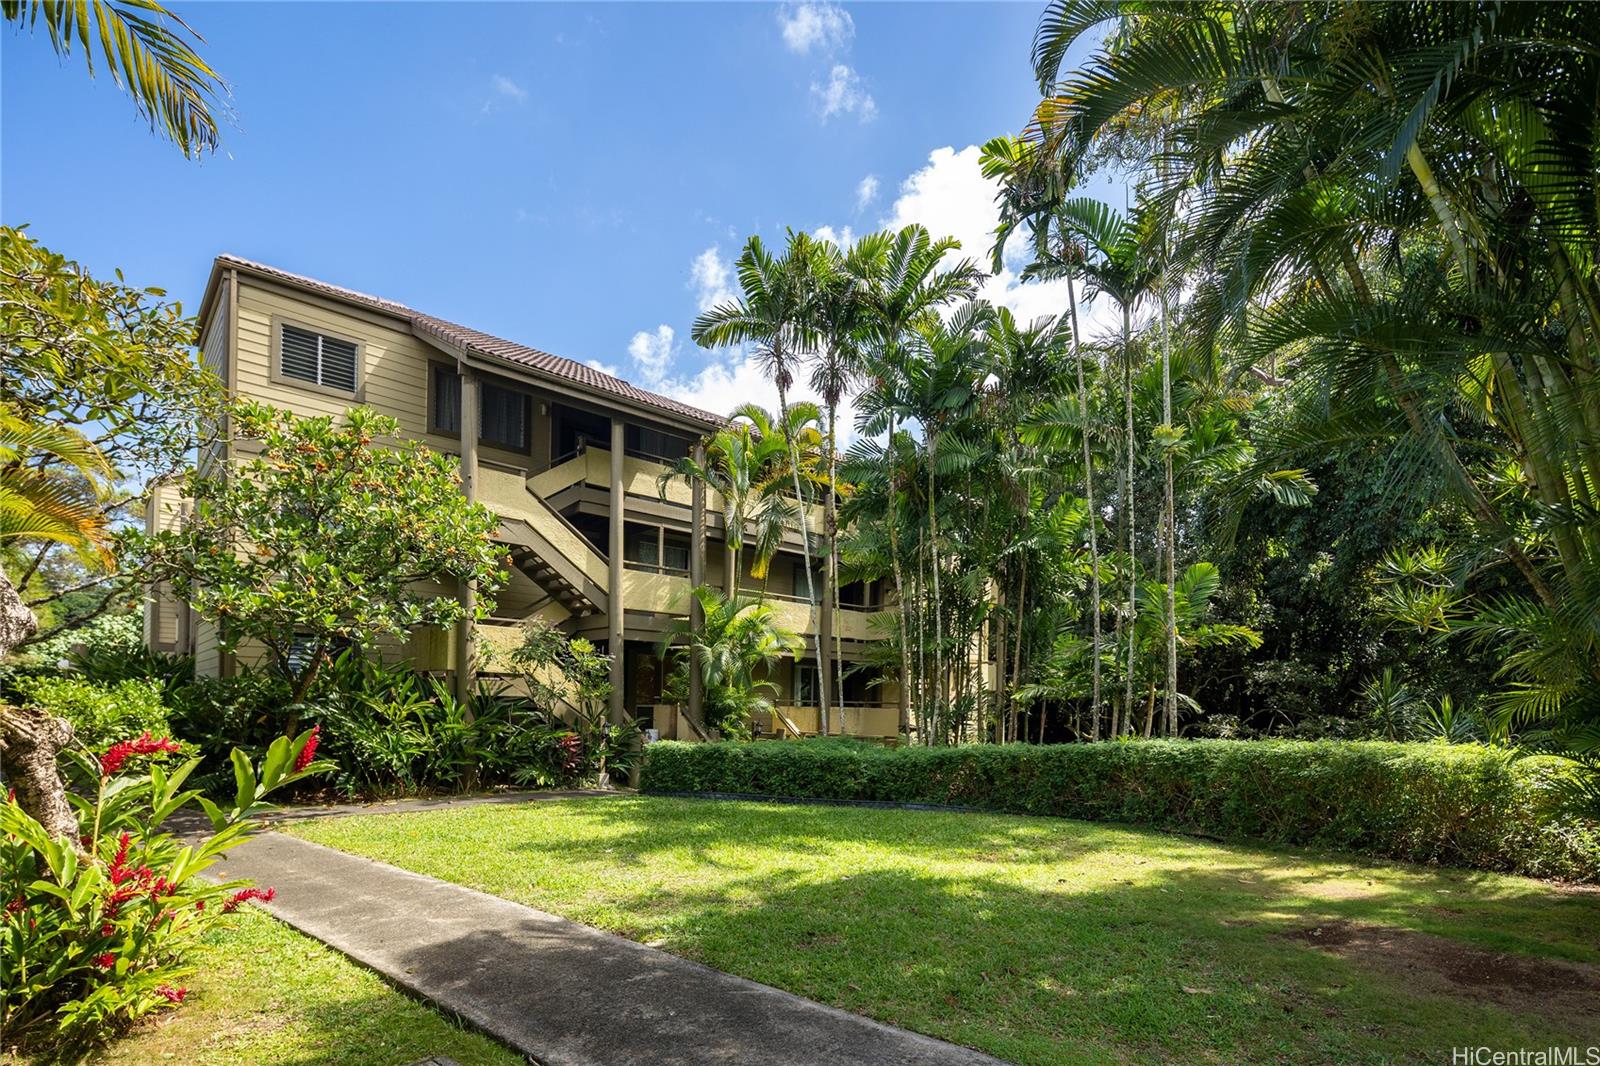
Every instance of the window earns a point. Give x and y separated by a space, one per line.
505 417
654 443
317 358
446 412
675 552
805 685
642 545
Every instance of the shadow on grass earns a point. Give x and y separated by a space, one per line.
1503 913
1142 944
1156 970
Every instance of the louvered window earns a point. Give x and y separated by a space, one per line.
321 360
446 400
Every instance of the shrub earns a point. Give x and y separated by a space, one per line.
99 713
1460 805
94 931
113 633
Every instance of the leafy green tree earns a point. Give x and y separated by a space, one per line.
1394 204
327 536
102 396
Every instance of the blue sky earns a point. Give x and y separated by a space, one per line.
576 177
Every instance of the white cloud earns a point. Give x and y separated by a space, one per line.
951 197
720 386
506 87
843 238
711 278
844 94
652 353
604 368
866 192
823 26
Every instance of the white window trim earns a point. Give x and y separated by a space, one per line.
275 363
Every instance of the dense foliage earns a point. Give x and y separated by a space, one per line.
102 396
1458 805
332 534
96 930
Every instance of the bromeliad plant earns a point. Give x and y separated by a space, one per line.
95 930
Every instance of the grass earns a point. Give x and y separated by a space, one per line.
264 993
1041 940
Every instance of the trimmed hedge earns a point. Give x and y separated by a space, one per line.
1457 805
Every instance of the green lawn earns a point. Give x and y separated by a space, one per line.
1041 940
266 995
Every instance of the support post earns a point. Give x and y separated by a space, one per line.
469 487
615 614
697 577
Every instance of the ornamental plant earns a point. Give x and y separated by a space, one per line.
95 931
333 534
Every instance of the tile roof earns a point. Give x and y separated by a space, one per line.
486 344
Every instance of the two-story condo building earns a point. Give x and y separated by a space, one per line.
568 456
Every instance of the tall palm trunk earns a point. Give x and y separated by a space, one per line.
1128 508
805 545
1016 657
933 566
831 577
1088 490
903 604
1169 532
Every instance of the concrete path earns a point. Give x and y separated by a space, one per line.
560 992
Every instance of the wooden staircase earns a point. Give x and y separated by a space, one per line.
561 578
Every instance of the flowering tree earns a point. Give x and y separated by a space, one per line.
326 538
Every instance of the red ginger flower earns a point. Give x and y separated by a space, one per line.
308 752
122 750
105 961
265 895
170 994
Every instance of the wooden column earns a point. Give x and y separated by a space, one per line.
697 577
616 611
469 486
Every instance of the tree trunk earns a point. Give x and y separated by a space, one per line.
831 579
1127 506
899 587
805 548
1088 490
31 740
933 565
1016 656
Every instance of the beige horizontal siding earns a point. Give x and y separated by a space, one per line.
393 363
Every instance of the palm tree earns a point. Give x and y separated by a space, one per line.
1104 248
777 314
1028 373
941 376
50 478
904 284
738 638
843 321
743 464
1395 194
149 52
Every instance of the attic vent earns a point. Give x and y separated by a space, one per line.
319 359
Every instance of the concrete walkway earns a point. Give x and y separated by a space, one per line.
560 992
